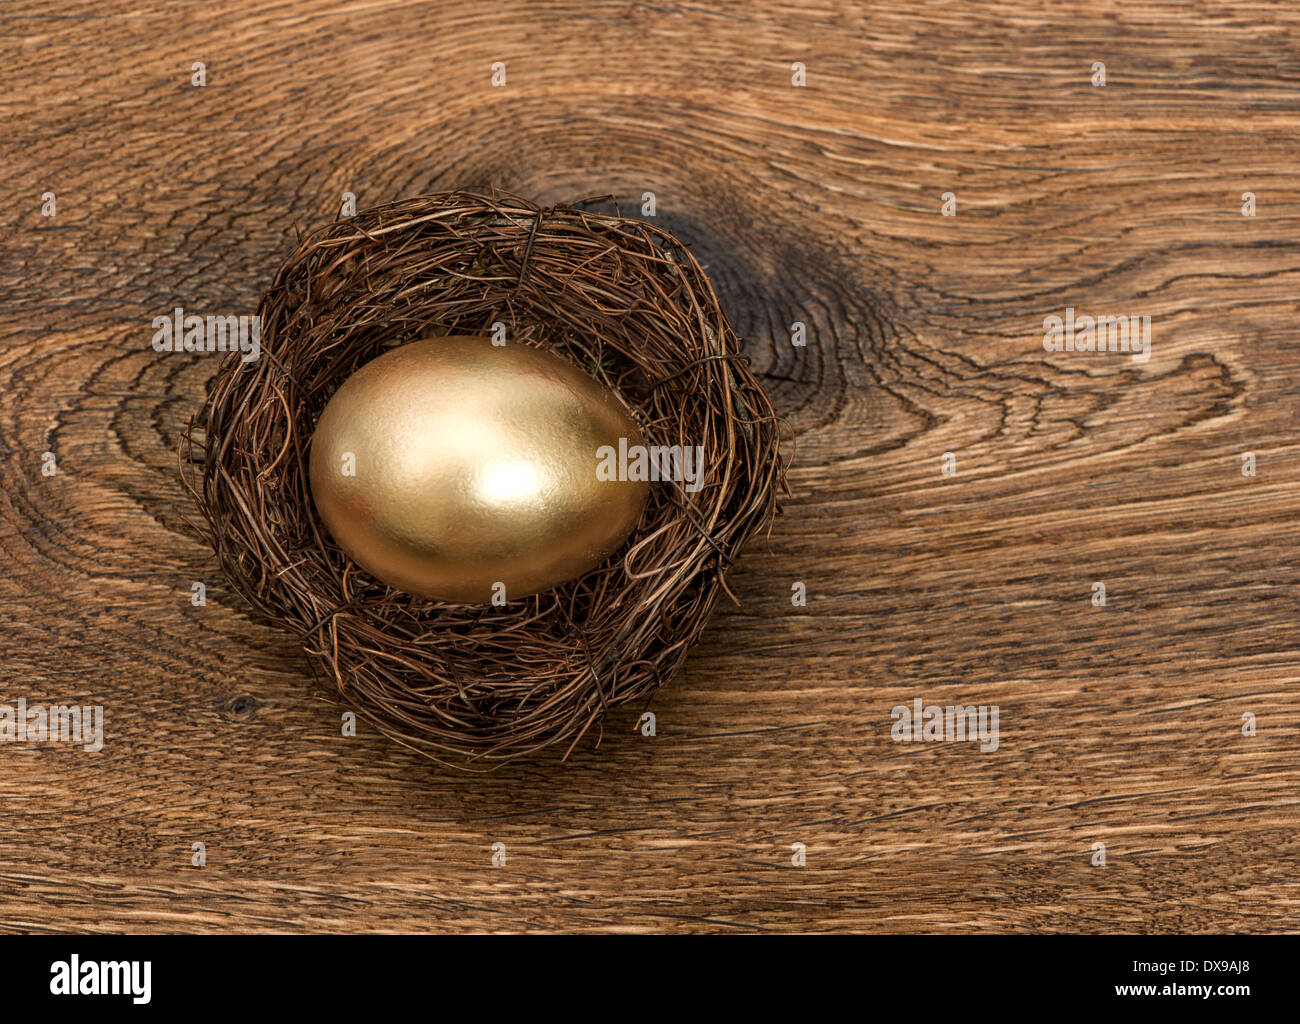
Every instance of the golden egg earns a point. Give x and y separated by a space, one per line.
450 465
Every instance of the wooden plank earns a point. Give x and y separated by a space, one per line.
821 204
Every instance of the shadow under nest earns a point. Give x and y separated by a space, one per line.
473 686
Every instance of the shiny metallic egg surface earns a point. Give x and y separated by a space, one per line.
450 465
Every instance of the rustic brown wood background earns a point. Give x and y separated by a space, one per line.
1120 725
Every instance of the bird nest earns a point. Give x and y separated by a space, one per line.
627 302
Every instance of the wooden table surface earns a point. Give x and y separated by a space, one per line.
1120 724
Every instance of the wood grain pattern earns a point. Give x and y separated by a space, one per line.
819 204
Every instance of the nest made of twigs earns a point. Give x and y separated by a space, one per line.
622 299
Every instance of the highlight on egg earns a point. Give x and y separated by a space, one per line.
459 470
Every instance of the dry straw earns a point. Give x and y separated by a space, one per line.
468 685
